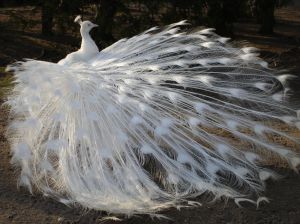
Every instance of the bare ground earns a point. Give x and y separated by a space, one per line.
19 206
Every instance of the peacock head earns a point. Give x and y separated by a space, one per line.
85 26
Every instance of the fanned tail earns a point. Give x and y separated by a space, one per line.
151 122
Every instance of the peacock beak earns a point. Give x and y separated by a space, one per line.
95 25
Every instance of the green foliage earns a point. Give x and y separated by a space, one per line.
6 82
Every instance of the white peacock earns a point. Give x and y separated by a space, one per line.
150 122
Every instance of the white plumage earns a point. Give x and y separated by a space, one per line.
149 122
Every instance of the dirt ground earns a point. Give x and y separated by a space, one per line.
18 206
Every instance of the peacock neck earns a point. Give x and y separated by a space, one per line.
88 45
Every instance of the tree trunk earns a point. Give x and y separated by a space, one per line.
266 14
48 8
222 14
105 12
